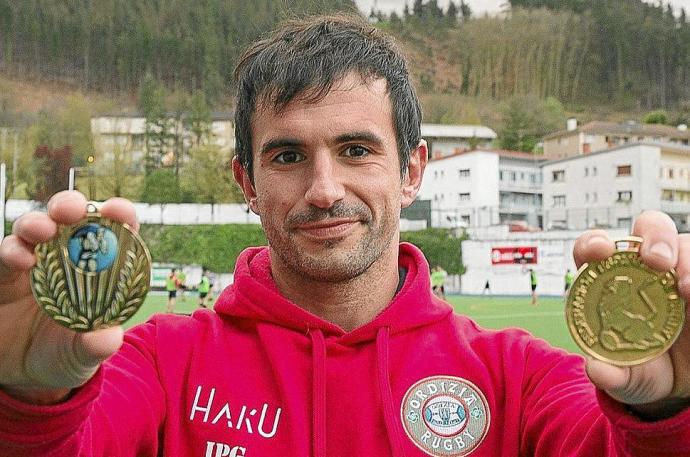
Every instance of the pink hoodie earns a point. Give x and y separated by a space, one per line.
262 377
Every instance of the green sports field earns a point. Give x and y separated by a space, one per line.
544 320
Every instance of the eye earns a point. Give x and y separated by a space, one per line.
356 151
289 157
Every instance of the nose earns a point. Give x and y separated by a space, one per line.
325 186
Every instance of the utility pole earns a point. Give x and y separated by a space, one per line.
3 183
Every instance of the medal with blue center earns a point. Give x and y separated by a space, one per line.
93 274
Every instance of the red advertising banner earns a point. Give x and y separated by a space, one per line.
513 254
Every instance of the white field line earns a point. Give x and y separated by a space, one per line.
519 315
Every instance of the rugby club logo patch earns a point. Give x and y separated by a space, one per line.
445 416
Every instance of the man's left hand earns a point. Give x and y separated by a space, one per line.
660 387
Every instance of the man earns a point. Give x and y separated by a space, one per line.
182 285
204 288
171 286
438 281
329 342
569 278
533 285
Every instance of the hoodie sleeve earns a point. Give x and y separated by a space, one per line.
565 415
116 413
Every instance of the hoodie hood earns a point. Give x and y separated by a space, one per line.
254 295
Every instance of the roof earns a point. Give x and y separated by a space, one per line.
669 147
457 131
502 153
629 128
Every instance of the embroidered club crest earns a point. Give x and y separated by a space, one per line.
445 416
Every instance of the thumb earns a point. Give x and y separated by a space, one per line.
635 385
92 348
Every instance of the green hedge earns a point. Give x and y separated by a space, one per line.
440 247
214 246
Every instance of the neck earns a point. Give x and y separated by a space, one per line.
348 304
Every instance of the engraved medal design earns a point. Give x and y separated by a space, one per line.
623 312
445 416
93 274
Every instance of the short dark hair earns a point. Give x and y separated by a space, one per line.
306 57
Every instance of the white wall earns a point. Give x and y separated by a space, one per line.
554 256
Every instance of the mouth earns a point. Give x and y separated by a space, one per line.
330 229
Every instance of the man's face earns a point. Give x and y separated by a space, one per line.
327 182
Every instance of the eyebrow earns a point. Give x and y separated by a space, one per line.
362 136
366 137
280 143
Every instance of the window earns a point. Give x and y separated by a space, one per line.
558 175
512 176
464 197
624 170
435 174
594 171
594 197
465 173
558 201
586 171
625 222
587 197
624 196
670 173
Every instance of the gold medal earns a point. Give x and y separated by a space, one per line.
93 274
623 312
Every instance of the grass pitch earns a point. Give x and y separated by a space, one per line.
546 320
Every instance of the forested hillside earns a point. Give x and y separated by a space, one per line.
626 52
110 45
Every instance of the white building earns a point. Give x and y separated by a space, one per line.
482 188
125 134
446 140
610 188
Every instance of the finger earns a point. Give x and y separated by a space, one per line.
683 265
16 256
591 246
121 210
67 207
34 227
659 249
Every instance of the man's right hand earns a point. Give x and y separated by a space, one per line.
40 360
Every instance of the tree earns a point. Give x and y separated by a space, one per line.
526 120
161 186
50 172
465 11
440 247
157 127
655 117
207 178
452 14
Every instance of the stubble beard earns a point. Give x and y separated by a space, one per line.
334 262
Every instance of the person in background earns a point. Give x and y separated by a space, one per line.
182 278
569 277
204 288
487 288
438 281
533 285
171 285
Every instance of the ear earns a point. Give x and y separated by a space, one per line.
242 178
412 181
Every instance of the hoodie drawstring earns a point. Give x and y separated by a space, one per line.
318 347
389 410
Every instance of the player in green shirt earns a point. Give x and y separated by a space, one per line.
204 288
569 277
438 280
182 277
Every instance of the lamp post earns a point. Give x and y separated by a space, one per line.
92 189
